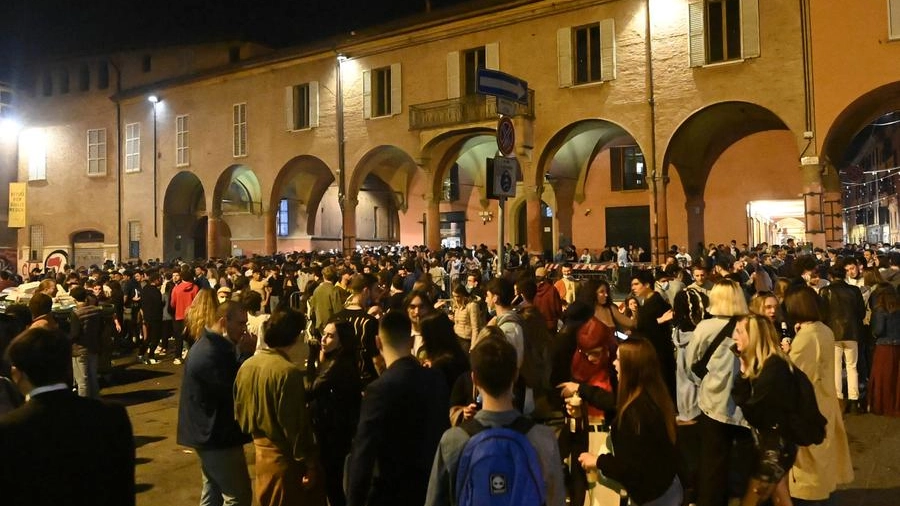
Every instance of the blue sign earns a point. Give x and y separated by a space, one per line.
503 85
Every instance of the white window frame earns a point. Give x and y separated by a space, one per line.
291 107
239 131
893 19
132 147
182 140
750 44
396 106
96 152
566 54
282 219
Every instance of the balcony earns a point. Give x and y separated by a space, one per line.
460 111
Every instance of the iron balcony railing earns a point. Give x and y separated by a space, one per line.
462 110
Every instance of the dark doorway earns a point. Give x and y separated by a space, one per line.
200 230
546 227
628 226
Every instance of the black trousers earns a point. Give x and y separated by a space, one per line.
727 456
151 340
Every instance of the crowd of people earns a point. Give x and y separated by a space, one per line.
369 378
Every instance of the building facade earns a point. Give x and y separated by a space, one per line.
647 122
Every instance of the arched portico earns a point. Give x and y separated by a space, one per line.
698 145
455 168
593 166
184 206
380 185
858 152
294 204
237 200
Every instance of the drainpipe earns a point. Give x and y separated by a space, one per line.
118 160
339 111
651 160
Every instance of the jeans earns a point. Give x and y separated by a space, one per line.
84 371
226 481
846 352
671 497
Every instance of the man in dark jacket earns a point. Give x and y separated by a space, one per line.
846 311
59 448
206 410
403 414
86 329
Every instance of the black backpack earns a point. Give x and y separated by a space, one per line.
805 423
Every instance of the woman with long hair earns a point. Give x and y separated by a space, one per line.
334 399
200 314
884 379
819 469
643 457
599 294
720 420
762 391
440 348
466 316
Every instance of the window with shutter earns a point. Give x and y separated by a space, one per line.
182 141
723 30
132 147
239 140
134 239
381 92
894 19
627 168
587 53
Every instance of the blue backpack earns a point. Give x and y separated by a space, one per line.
499 467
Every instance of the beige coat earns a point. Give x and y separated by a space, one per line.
819 469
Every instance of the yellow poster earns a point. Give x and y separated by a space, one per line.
17 204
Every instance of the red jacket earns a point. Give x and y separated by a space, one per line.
182 296
549 304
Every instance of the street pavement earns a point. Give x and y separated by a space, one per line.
169 475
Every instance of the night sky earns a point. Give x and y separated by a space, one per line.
40 29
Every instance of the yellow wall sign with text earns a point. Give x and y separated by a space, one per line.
17 204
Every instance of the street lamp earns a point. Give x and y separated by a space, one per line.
155 100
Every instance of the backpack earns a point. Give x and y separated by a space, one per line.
499 466
805 423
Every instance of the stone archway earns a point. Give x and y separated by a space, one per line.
184 206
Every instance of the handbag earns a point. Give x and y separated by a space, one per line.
699 368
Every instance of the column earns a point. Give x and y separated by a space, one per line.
212 235
348 230
661 245
534 232
834 220
432 221
271 238
696 207
813 203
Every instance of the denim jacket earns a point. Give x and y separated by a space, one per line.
715 388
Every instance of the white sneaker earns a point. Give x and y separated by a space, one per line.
151 361
177 361
184 353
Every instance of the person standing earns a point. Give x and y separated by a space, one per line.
152 311
846 311
403 414
181 298
94 465
270 405
206 420
819 469
85 323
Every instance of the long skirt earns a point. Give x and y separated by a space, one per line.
884 381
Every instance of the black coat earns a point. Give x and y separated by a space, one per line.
403 415
151 303
59 448
846 310
334 399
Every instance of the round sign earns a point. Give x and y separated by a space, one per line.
56 261
506 136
